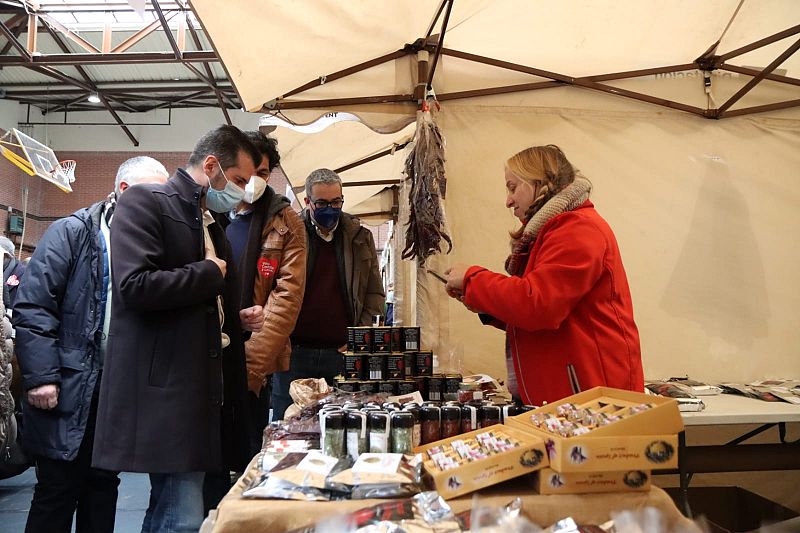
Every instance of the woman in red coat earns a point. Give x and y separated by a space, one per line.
565 305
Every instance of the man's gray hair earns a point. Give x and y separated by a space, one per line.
7 245
136 168
321 176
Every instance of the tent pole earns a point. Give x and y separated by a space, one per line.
422 75
440 44
757 79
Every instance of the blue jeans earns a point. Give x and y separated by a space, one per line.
176 503
306 363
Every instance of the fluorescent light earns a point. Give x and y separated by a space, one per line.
94 98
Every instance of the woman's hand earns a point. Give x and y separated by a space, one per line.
455 280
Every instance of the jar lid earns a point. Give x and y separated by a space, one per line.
451 412
334 419
401 419
356 420
377 420
430 412
414 410
490 411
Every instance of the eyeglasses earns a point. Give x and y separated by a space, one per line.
336 203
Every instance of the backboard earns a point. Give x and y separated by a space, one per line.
34 158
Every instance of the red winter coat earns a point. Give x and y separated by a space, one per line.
571 305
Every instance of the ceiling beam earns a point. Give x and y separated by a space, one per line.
136 37
220 95
69 34
46 90
16 30
12 39
93 88
69 59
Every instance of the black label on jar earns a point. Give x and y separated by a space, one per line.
435 388
424 364
411 339
376 366
395 366
389 387
407 386
422 385
370 387
347 385
359 340
397 339
410 364
354 365
382 340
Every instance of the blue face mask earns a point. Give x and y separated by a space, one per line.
226 199
327 217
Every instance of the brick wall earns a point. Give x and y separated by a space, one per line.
95 175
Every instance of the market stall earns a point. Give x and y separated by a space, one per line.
237 515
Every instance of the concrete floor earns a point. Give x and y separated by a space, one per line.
16 494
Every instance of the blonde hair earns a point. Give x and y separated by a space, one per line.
546 166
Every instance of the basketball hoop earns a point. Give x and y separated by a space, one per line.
67 169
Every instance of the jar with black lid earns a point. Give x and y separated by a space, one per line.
356 434
417 430
490 415
402 432
332 433
379 432
431 419
451 421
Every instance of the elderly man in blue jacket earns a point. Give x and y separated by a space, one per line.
62 313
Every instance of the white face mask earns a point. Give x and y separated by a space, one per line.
254 189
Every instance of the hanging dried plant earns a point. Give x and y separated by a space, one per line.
424 168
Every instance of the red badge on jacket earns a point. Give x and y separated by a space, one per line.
12 280
267 267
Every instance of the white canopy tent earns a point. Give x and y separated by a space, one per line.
654 101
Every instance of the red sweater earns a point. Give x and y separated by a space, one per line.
571 305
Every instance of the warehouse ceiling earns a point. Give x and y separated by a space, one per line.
120 56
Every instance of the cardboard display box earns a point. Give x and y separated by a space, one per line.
477 474
633 441
548 481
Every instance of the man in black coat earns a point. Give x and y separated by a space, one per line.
13 269
61 316
173 397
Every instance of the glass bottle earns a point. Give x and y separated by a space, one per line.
402 432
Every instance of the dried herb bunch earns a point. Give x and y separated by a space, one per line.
424 167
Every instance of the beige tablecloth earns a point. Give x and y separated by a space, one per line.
237 515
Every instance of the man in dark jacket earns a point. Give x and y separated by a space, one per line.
61 317
173 399
268 239
343 287
13 269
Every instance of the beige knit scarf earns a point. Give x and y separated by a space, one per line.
567 199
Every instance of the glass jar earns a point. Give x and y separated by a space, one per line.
431 419
379 432
451 421
417 429
402 432
490 415
470 418
357 437
331 430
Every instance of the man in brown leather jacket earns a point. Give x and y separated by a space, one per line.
343 287
269 246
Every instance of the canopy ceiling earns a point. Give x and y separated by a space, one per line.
308 44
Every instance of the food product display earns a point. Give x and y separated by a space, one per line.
481 458
606 429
